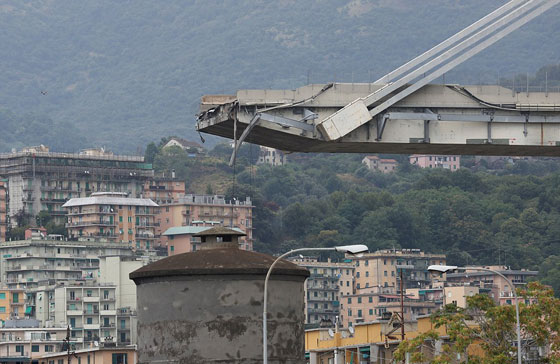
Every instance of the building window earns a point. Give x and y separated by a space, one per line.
172 248
357 274
370 300
119 358
359 313
120 219
359 299
349 312
349 299
392 273
385 273
2 309
347 283
2 295
358 286
34 348
367 274
366 263
371 312
15 298
130 219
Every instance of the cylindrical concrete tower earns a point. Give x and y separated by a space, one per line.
206 306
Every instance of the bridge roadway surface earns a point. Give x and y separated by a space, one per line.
436 119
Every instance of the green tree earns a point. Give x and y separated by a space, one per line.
492 328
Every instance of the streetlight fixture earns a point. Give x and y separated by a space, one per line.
351 249
450 268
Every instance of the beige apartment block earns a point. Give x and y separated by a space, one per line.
367 307
115 217
497 287
377 272
325 288
457 295
207 210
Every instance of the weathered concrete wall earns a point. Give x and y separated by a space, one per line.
218 319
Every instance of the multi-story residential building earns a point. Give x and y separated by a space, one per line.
33 263
367 307
164 190
115 217
93 355
377 272
451 162
28 344
115 270
374 163
324 288
181 239
497 287
12 303
203 210
271 156
39 180
92 314
3 208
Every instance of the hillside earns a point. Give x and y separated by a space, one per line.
128 72
509 215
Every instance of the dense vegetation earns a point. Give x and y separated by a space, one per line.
125 72
509 215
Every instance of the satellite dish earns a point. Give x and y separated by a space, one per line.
331 333
351 329
96 343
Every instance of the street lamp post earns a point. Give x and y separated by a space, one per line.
447 268
352 249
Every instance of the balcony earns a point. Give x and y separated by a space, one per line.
108 312
91 326
90 223
107 299
91 312
108 325
125 328
74 312
91 299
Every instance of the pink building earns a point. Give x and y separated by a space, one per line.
451 162
180 239
207 210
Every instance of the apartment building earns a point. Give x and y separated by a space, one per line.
271 156
94 355
378 272
115 270
164 190
3 208
495 285
450 162
324 288
182 239
28 344
92 314
374 163
207 210
367 307
39 180
115 217
33 263
12 304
